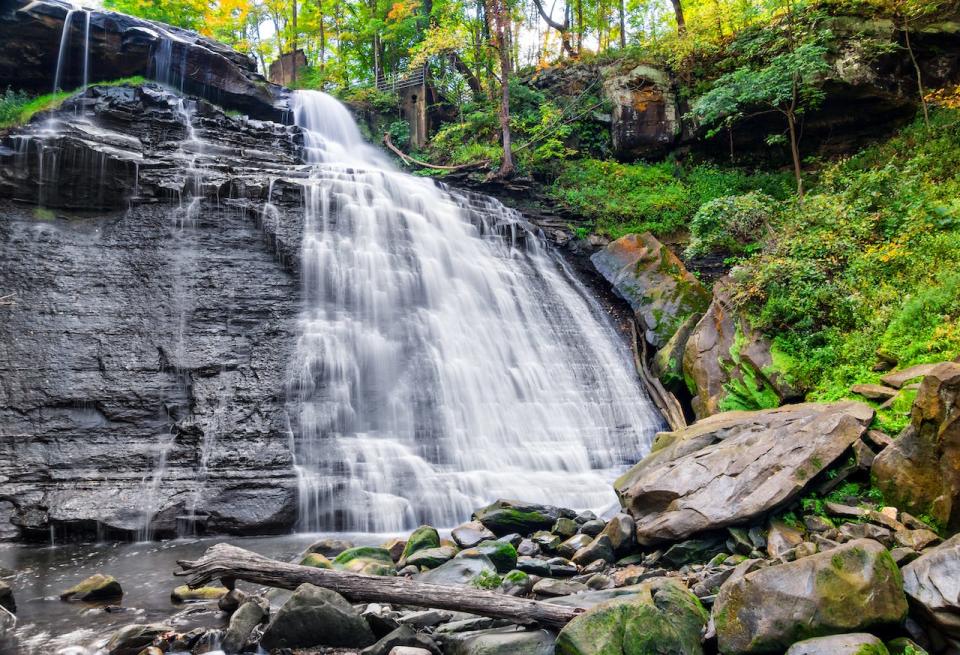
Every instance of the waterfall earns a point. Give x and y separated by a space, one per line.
446 358
63 53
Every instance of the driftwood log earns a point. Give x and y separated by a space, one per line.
230 563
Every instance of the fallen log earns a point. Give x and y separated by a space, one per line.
230 563
410 160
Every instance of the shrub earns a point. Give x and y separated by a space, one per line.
730 225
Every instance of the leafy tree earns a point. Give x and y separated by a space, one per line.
188 14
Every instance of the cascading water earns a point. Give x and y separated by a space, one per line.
442 363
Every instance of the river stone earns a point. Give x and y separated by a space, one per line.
920 472
565 527
459 570
251 614
655 283
329 547
6 598
430 558
598 549
184 594
231 601
314 616
7 622
553 587
852 644
369 560
131 639
420 539
404 636
317 561
728 365
501 553
471 533
660 617
904 646
781 538
96 587
735 467
853 587
506 516
499 641
932 583
621 531
569 547
516 583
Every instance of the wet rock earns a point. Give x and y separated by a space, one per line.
547 540
534 566
569 547
854 587
850 644
131 639
316 560
621 531
470 534
781 538
562 568
408 650
932 583
920 472
659 289
904 646
7 622
402 637
369 560
552 587
499 641
916 539
422 538
667 364
565 528
692 551
184 594
329 547
505 516
96 587
251 614
592 527
395 548
502 554
527 548
516 583
730 366
151 650
735 467
425 618
660 617
459 570
231 601
314 616
429 558
7 600
598 549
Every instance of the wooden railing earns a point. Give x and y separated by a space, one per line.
399 81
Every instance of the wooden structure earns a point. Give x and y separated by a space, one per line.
282 70
415 93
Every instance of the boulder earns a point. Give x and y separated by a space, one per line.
507 516
369 560
7 623
249 615
728 365
781 538
470 534
661 616
131 639
96 587
403 637
184 594
430 558
330 547
900 379
420 539
317 561
645 119
122 46
502 554
314 616
499 641
6 598
735 467
859 643
516 583
565 527
460 570
569 547
920 471
621 531
851 588
904 646
598 549
231 601
932 583
553 587
654 282
875 392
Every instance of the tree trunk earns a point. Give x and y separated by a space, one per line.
323 36
795 150
563 28
293 49
623 24
229 564
678 11
916 67
579 25
500 20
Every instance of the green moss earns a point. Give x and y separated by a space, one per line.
17 109
420 539
316 560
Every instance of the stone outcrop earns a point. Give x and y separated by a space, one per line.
645 120
932 583
728 365
851 588
123 46
736 466
143 344
659 289
920 471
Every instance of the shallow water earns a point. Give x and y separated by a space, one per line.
39 574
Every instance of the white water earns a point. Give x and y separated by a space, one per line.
443 362
63 53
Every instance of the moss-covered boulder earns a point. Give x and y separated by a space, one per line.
727 365
504 517
667 364
662 617
366 559
430 558
184 594
96 587
735 467
420 539
860 643
501 553
920 471
316 560
655 283
932 583
314 616
131 639
850 588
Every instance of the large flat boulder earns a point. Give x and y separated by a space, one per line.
728 365
653 280
734 467
920 471
932 583
123 46
851 588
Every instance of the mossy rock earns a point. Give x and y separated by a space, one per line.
96 587
504 517
317 561
422 538
430 558
904 646
184 594
501 553
662 617
366 559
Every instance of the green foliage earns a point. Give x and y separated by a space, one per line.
486 580
17 107
399 132
730 225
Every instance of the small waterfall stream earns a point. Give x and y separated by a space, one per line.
446 358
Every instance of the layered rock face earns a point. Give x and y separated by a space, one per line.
143 355
123 46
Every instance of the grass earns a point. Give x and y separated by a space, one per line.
17 108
